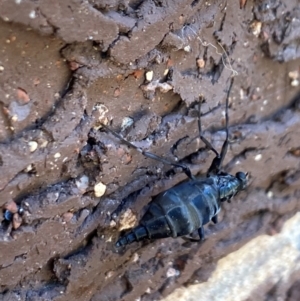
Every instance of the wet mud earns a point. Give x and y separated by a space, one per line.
141 66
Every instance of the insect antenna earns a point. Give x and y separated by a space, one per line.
185 169
215 167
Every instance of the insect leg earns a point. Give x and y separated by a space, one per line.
216 164
225 144
201 233
185 169
206 142
215 219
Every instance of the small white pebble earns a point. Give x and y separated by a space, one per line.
28 168
270 194
258 157
1 68
166 72
187 48
265 102
57 155
135 257
112 224
99 189
149 76
256 28
32 146
295 83
171 272
32 14
14 118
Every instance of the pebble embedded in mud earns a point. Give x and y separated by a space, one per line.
32 146
109 274
201 63
17 221
11 206
28 168
149 76
171 272
22 96
67 216
99 189
187 48
255 28
126 122
258 157
57 155
127 220
135 257
82 183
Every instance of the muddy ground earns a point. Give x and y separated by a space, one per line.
141 66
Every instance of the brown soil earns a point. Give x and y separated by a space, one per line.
64 65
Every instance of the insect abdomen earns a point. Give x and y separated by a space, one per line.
177 212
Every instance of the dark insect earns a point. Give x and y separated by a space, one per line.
188 206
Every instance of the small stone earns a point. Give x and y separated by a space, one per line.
14 118
255 27
127 220
67 216
99 189
43 142
201 63
82 183
109 274
165 87
135 257
187 48
11 206
32 146
32 14
17 221
22 96
171 272
149 76
258 157
295 83
112 224
28 168
126 122
57 155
